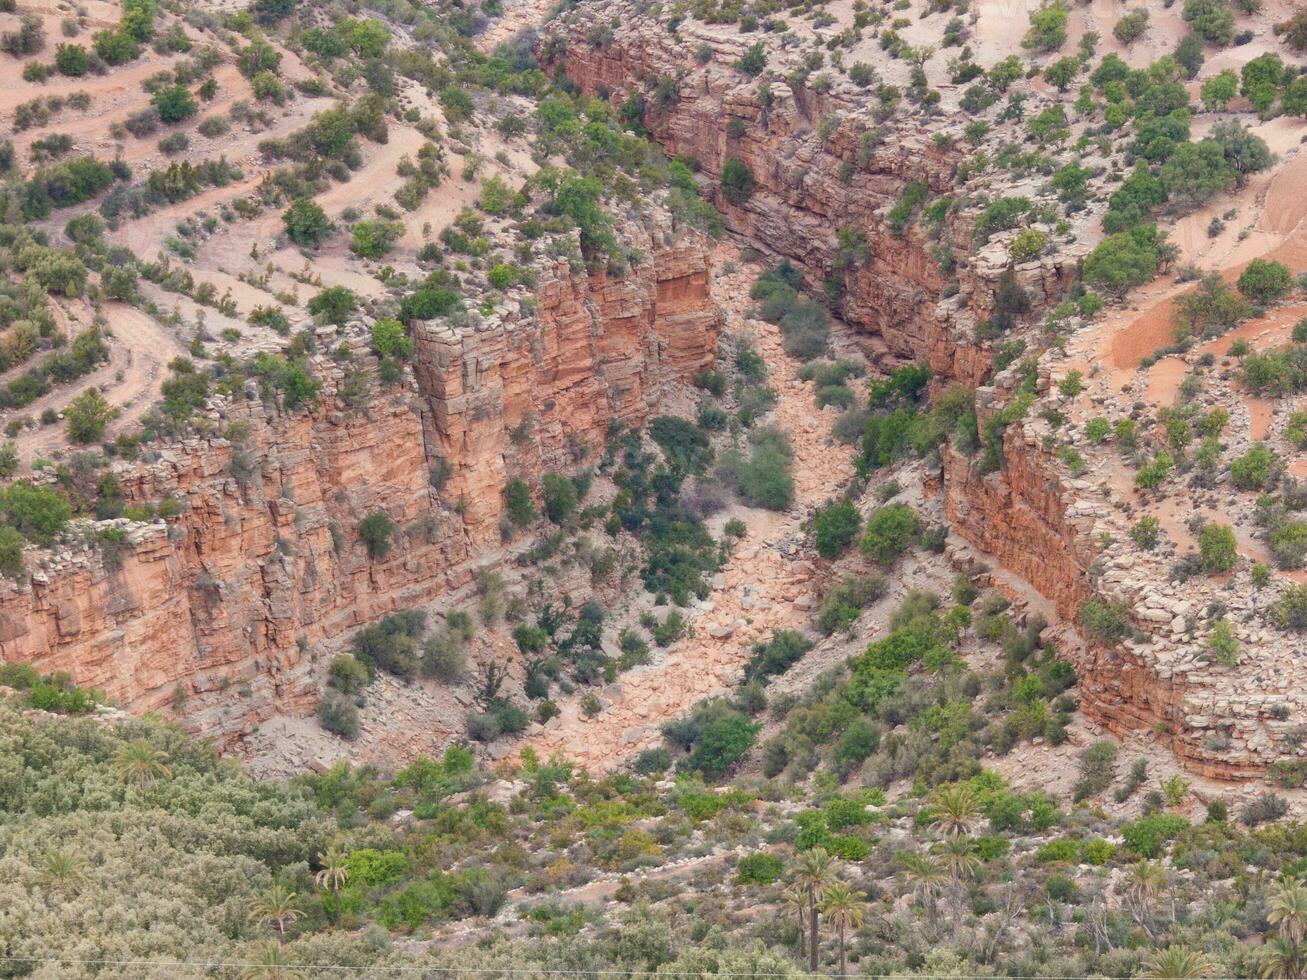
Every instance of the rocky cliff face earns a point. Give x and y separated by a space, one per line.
826 174
1040 526
216 617
512 398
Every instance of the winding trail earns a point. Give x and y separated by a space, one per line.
139 352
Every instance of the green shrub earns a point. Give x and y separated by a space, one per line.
845 602
1148 835
1217 548
1265 282
559 495
737 181
1255 469
764 477
1105 620
835 527
375 531
776 655
759 868
518 504
891 531
306 222
36 512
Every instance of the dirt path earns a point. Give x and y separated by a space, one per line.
756 593
140 350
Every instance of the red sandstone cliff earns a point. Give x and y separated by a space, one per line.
214 617
817 173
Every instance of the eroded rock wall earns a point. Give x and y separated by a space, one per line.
217 616
817 174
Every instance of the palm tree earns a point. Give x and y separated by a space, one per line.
814 873
1282 957
276 907
1145 880
958 855
268 966
927 880
1288 902
844 907
795 900
1178 963
956 809
332 877
63 871
140 764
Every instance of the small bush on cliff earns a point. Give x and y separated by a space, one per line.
348 675
1105 620
753 61
890 532
559 495
37 513
1097 767
339 715
845 602
519 507
11 553
376 530
444 654
835 527
737 181
391 645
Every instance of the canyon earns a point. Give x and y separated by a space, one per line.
214 617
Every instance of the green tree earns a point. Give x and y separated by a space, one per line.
737 181
1264 282
1261 79
1131 26
72 60
373 239
88 414
835 527
753 61
1211 20
175 103
1217 548
38 513
1219 90
559 495
891 530
332 876
1047 27
844 908
334 304
376 530
11 553
139 763
1061 73
306 223
276 907
390 338
814 872
518 505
